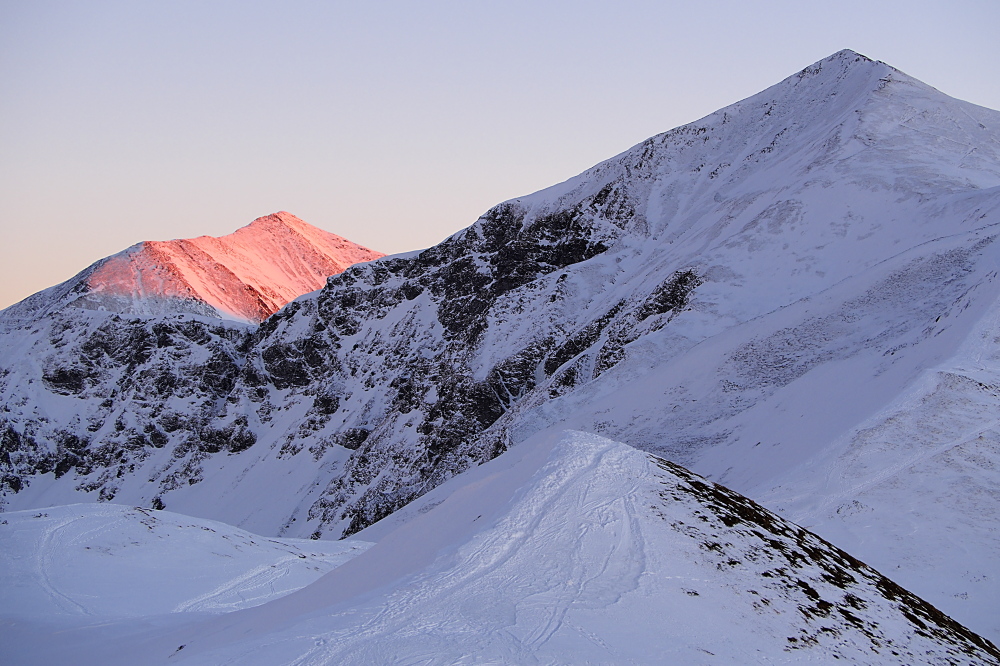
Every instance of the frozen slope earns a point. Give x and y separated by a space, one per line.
576 549
247 275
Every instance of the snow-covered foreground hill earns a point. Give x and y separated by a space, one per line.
567 549
795 296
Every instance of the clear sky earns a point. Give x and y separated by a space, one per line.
391 123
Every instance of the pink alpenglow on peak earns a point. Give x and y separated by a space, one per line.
248 275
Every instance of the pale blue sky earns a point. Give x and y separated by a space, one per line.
393 124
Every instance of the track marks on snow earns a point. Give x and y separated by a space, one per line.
504 588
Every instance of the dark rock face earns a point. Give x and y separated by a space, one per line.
671 295
120 375
432 402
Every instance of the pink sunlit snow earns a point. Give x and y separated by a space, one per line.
248 275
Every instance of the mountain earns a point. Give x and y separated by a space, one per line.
795 296
570 548
247 275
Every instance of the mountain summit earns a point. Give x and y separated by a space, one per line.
247 275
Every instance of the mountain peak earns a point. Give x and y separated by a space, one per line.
246 275
843 61
844 109
848 55
281 217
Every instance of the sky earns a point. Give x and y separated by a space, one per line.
391 123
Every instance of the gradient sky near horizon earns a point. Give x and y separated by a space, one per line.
391 123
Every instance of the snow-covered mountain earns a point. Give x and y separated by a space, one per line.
795 296
247 275
568 549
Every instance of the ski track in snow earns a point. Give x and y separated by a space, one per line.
47 550
249 588
109 561
260 577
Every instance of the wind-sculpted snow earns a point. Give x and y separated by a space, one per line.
742 295
569 549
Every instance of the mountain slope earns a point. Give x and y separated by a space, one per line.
574 549
749 295
247 275
101 561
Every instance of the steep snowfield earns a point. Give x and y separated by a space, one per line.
795 296
247 275
569 549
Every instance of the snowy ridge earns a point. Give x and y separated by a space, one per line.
247 275
573 549
792 296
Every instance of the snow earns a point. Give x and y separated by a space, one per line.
112 561
569 549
